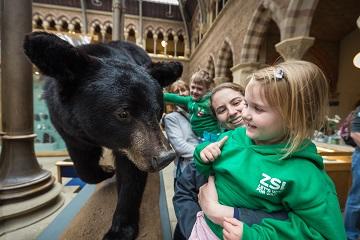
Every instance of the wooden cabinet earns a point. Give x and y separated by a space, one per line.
337 159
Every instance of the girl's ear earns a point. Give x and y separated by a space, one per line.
165 72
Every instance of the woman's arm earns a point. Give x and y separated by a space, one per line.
177 131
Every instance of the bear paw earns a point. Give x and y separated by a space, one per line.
127 232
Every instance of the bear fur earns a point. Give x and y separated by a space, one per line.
107 95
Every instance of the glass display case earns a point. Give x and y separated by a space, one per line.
47 138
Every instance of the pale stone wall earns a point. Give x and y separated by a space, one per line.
231 25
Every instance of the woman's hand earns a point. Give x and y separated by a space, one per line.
233 229
208 200
212 151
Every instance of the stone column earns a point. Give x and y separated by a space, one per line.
144 41
46 25
243 70
217 8
140 41
155 39
221 79
176 39
294 48
103 34
126 35
166 43
26 190
58 26
187 48
118 20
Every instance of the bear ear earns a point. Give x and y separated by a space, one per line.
165 72
55 57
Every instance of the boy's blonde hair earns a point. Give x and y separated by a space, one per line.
202 77
299 92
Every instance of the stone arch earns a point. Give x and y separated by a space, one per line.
63 23
254 35
180 48
224 63
298 19
210 66
95 30
75 25
131 33
37 21
107 26
49 22
160 32
170 36
149 39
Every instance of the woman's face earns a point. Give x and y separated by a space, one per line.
228 105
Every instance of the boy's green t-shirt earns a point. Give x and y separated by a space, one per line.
255 177
201 117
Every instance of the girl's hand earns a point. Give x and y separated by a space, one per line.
212 151
233 229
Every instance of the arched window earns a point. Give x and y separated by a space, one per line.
170 48
38 23
77 27
131 36
159 48
149 42
180 48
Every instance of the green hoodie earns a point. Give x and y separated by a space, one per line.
201 117
253 176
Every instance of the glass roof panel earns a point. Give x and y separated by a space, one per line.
172 2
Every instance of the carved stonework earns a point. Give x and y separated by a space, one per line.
294 48
243 70
221 79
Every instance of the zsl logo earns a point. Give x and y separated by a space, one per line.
272 183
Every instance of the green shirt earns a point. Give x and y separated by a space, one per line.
201 117
254 176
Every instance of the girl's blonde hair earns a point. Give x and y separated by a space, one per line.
299 92
179 84
202 77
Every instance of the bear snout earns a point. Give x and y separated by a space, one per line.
163 160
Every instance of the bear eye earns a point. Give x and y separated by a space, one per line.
123 114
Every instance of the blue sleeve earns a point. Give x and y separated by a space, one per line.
355 124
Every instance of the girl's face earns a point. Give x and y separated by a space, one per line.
197 91
228 105
263 122
182 91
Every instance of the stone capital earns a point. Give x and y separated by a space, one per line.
221 79
294 48
243 70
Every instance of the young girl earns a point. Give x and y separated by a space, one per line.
271 164
227 105
203 123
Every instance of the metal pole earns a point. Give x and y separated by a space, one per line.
18 165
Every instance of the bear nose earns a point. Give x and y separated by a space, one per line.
163 160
